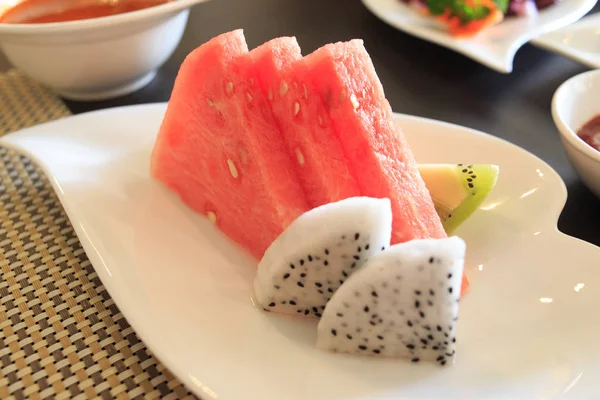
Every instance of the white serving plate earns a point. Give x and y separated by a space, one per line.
580 41
528 328
494 47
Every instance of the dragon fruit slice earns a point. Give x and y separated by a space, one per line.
307 263
402 303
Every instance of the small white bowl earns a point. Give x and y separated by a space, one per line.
576 102
99 58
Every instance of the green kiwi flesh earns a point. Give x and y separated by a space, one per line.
457 190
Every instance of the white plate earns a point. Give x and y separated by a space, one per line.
495 46
580 41
528 329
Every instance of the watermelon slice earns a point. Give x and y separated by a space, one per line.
252 140
304 123
377 153
212 143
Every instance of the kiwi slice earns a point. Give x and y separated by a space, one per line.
457 190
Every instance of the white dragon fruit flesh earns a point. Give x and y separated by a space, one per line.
402 303
311 259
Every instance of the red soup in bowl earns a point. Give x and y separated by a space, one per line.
590 133
47 11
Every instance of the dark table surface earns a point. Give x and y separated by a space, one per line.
419 78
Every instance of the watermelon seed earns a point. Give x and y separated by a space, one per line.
244 156
270 95
300 156
283 89
305 91
248 96
320 120
229 87
296 109
354 101
232 168
212 217
210 102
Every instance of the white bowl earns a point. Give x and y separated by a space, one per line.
576 102
98 58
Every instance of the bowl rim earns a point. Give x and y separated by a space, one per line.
93 23
565 129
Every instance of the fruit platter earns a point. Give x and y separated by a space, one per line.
277 231
343 185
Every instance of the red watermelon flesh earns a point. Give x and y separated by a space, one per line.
304 123
379 156
212 143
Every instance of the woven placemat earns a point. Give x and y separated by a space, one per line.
61 334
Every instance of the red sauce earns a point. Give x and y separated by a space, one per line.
590 133
44 11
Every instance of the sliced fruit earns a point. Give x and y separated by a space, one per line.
378 155
315 255
219 147
458 190
402 303
305 126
